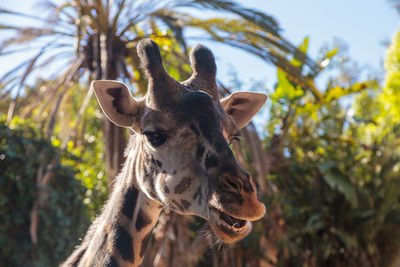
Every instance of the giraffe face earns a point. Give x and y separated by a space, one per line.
183 131
189 166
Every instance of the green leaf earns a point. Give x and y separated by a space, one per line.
303 47
339 183
338 92
285 89
332 52
326 166
342 185
349 240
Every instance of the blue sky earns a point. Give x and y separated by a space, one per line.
363 24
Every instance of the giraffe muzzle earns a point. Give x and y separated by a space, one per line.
227 228
233 222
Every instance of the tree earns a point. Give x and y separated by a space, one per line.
337 170
63 217
99 38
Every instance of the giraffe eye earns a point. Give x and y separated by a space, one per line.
236 137
155 138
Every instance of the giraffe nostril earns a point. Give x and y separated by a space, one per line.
232 183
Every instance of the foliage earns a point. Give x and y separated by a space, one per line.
339 195
338 176
80 30
62 217
86 145
89 40
391 91
78 133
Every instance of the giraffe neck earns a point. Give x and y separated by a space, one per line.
119 236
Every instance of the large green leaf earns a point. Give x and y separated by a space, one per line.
286 90
303 47
340 183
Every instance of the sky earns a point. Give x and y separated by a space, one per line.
364 25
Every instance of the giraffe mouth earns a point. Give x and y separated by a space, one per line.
231 222
228 228
228 221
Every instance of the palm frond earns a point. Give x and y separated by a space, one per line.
28 34
119 11
70 70
174 25
251 38
20 14
60 9
28 71
19 50
262 20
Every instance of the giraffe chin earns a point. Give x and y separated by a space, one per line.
228 229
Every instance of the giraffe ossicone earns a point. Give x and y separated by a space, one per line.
178 157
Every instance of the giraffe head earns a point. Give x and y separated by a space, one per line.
183 131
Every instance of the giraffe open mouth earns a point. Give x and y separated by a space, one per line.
228 223
231 222
228 228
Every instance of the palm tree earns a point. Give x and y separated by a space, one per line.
98 39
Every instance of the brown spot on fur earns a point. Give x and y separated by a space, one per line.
166 190
124 243
142 220
129 201
186 204
200 151
156 162
112 262
183 185
194 129
211 161
177 204
198 195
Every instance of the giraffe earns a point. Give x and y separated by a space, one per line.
178 157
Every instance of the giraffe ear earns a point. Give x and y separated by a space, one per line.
242 106
117 103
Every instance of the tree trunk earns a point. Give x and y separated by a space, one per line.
115 143
114 136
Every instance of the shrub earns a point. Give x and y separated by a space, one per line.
62 217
